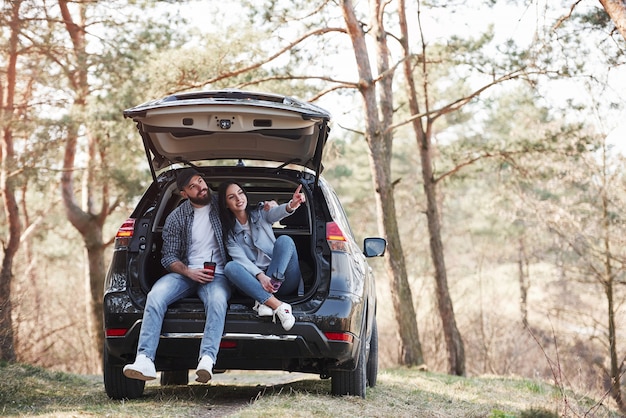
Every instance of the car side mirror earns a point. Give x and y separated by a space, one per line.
374 247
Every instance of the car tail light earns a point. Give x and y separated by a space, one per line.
339 336
335 237
228 344
125 233
116 332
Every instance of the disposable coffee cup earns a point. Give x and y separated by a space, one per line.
275 284
209 265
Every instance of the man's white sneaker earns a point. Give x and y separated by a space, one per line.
262 310
286 317
141 369
204 372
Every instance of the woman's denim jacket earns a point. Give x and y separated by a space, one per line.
238 244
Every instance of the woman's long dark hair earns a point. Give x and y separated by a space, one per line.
226 216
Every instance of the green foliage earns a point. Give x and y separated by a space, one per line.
347 168
596 18
538 413
501 414
531 413
533 386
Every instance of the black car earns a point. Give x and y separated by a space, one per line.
270 144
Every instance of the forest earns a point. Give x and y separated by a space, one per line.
485 142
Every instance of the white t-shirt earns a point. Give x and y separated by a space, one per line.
204 245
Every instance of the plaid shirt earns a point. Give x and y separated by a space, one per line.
177 233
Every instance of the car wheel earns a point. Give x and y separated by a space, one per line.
372 357
174 377
351 382
117 385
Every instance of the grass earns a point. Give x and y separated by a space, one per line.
26 390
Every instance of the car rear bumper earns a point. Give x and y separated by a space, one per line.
245 346
249 342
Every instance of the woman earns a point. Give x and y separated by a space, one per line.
262 266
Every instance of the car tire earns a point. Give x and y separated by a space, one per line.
351 382
372 357
117 385
174 377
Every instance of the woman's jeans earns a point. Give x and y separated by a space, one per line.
172 287
284 260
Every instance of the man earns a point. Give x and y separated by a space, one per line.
192 234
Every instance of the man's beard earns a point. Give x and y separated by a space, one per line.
201 201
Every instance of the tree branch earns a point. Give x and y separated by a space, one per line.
288 47
457 104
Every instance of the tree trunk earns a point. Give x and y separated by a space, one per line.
90 228
380 162
7 188
616 367
454 342
88 222
524 282
616 9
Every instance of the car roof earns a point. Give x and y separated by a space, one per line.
231 124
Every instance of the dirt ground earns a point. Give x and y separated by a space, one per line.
235 389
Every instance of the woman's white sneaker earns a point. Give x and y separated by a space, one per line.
286 317
262 310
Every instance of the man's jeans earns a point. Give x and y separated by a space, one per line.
172 287
284 260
